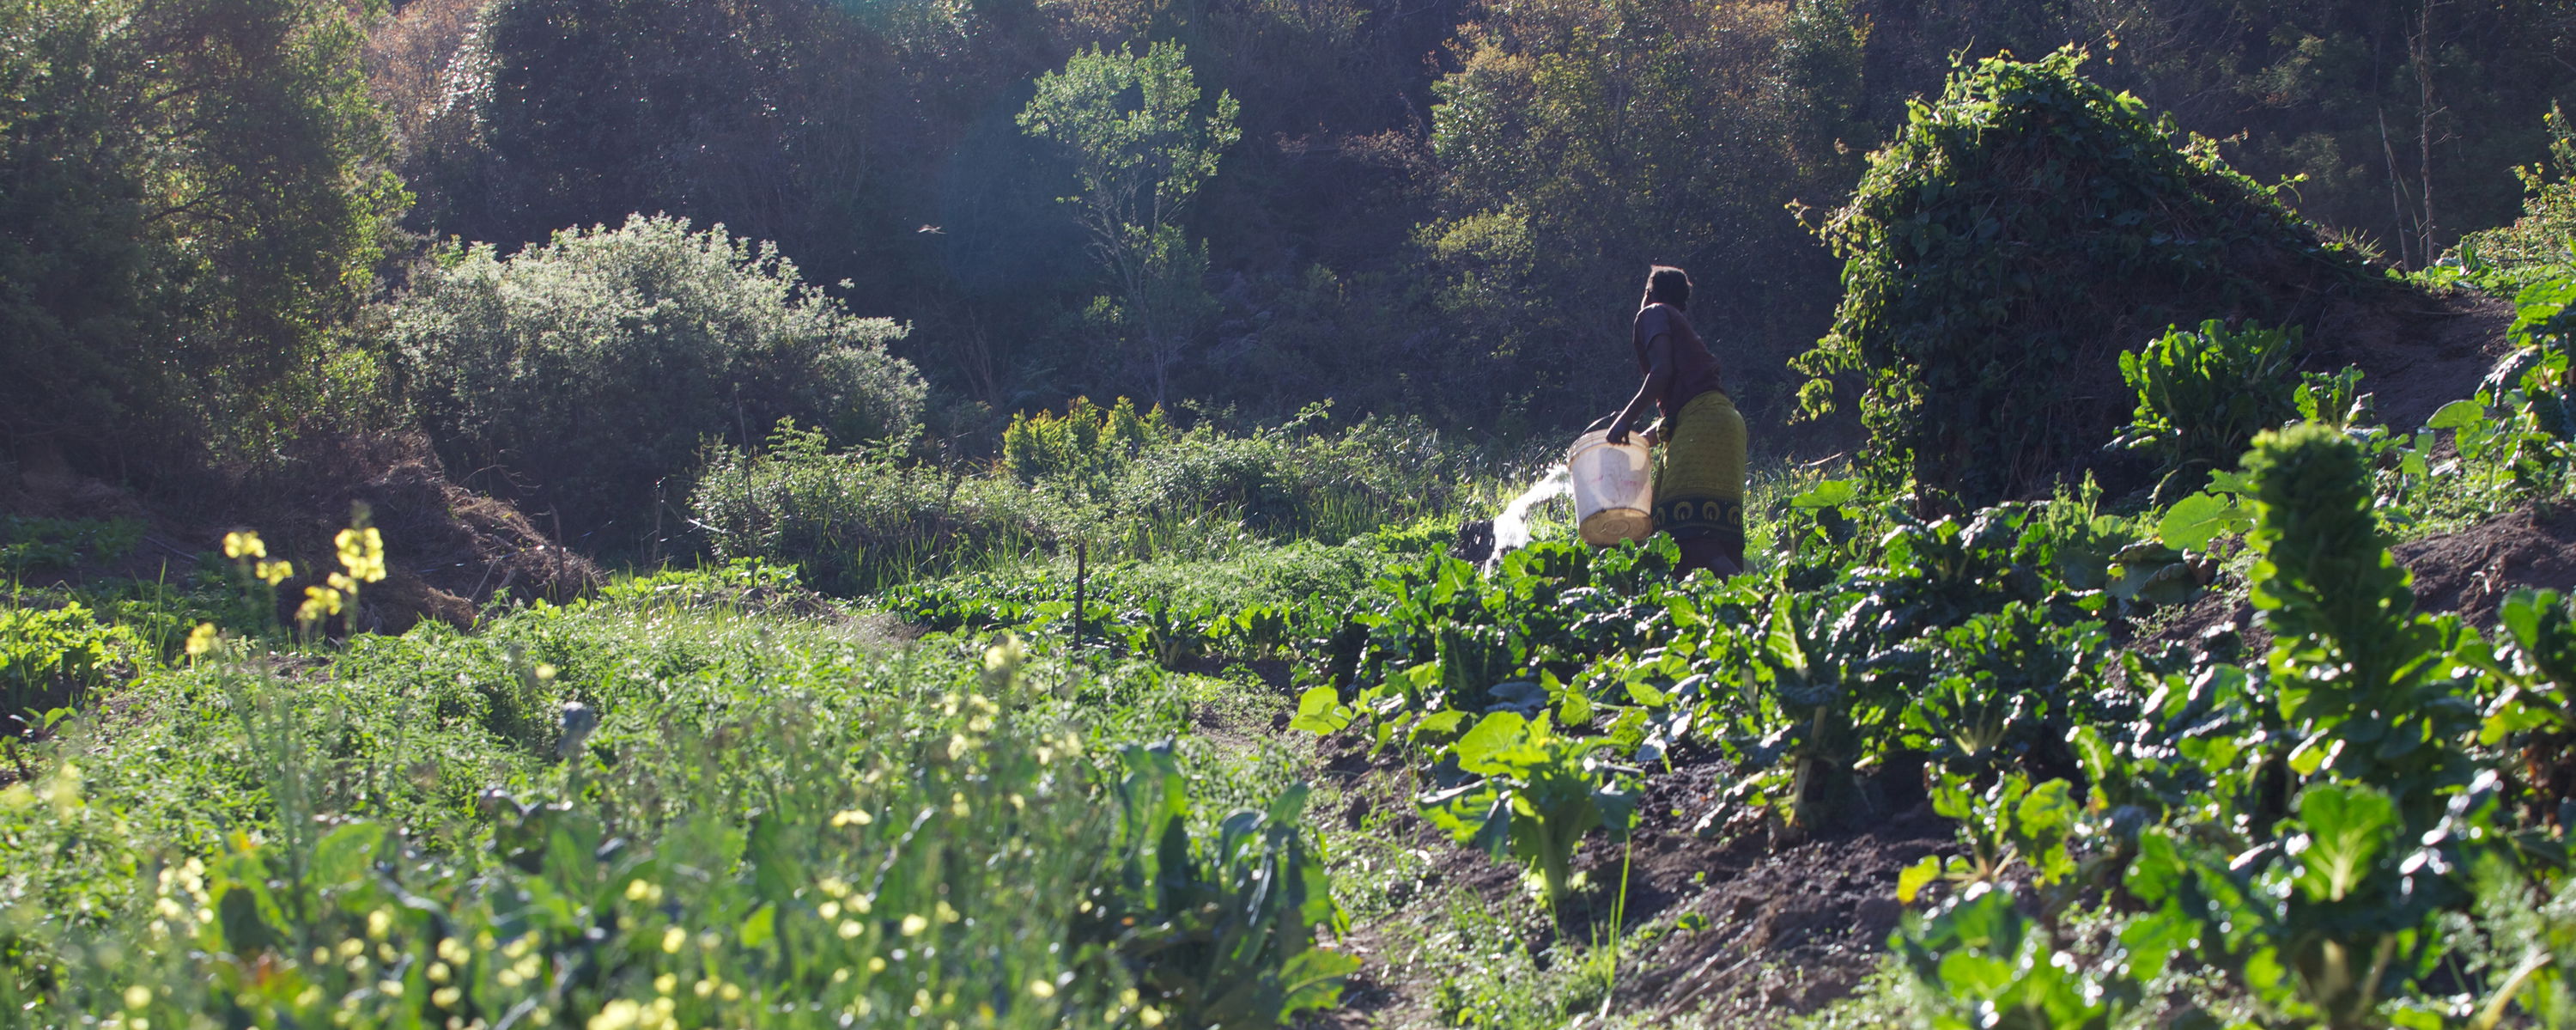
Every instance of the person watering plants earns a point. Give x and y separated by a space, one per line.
1699 488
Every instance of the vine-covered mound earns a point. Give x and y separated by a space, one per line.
2016 236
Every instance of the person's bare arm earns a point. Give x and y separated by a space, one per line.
1659 374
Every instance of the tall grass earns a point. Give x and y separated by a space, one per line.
859 521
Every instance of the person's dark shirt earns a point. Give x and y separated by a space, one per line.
1694 369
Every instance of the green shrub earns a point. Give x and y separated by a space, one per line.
579 374
1291 482
2019 229
2537 245
1086 440
856 521
2202 395
197 195
60 656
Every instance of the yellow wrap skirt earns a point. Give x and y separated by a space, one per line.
1699 487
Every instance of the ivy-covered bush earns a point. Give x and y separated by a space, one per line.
2018 232
578 374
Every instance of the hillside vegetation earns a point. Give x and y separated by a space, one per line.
626 514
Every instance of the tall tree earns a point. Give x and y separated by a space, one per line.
192 193
1141 146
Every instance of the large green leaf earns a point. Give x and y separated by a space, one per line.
2348 828
2200 518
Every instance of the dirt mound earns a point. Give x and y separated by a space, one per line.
2416 352
447 549
2472 570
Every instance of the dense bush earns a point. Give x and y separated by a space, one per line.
2017 233
1087 440
580 374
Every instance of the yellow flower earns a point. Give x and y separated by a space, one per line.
851 928
616 1015
705 988
1149 1016
362 552
274 572
852 817
201 639
947 914
834 886
378 923
318 602
829 910
729 992
445 997
914 924
1041 989
244 545
673 938
666 983
138 996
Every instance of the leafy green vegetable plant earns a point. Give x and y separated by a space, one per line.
1219 930
1535 794
2203 394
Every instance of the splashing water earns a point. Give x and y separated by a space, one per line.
1511 528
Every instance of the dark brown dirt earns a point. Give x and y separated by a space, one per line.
448 549
1781 927
2416 353
2472 570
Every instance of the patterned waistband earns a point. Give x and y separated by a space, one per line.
1695 516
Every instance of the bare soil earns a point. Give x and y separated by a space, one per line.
1744 924
2416 352
2472 570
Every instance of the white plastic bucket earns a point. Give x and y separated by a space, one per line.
1614 489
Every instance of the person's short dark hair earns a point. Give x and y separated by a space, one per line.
1668 285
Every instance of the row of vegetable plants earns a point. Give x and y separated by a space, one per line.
2316 831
